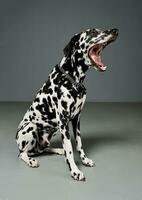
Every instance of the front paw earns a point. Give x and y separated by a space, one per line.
87 162
78 175
33 163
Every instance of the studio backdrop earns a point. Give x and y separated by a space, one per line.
33 34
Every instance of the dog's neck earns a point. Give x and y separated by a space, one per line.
76 69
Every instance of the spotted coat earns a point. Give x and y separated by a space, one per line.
58 102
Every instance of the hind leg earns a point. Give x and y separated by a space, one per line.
27 144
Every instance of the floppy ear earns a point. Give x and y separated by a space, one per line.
69 47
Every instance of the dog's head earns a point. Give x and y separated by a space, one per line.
88 45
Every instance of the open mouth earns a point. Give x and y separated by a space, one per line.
95 56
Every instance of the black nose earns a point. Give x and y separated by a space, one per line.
114 31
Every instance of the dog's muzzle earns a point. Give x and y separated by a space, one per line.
95 52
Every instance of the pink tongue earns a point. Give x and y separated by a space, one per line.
98 61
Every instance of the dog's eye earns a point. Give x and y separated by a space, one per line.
93 32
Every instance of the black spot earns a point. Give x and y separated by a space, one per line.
65 153
54 124
36 100
74 94
34 114
78 133
62 127
23 144
82 46
73 109
45 102
32 142
49 101
68 164
50 91
44 118
30 117
67 135
62 136
39 126
53 75
41 109
78 176
55 100
64 104
69 96
59 94
34 134
74 174
81 39
29 129
46 87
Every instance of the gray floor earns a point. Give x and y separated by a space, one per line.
112 134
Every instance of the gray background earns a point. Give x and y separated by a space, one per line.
33 34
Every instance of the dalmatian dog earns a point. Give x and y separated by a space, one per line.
60 101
